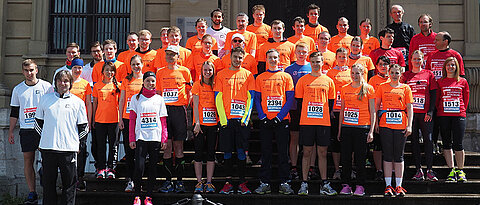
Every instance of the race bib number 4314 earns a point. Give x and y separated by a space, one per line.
148 120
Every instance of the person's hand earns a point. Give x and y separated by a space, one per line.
407 131
377 128
11 138
133 145
339 136
370 137
265 122
164 146
275 121
197 129
121 125
428 118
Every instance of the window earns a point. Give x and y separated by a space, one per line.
85 21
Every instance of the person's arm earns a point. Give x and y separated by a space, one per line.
131 130
82 130
196 113
286 107
340 120
373 119
14 114
220 108
258 105
377 108
95 104
248 107
408 129
431 108
121 104
88 105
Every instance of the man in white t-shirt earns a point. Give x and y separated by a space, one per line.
24 102
61 120
218 31
96 50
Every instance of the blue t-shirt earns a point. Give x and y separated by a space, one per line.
298 71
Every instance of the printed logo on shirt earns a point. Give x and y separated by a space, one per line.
37 92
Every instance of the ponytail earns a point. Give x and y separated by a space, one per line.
114 79
139 93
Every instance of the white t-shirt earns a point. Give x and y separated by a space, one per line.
87 72
61 117
220 36
27 97
149 110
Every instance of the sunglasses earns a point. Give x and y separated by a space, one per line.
237 41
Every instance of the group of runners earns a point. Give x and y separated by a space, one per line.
312 92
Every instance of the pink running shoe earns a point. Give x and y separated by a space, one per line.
137 201
346 190
148 201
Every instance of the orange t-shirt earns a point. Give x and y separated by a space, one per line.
285 48
328 60
337 42
369 45
309 41
206 106
249 63
107 102
365 61
376 80
273 86
174 85
196 60
125 56
313 32
395 100
131 88
147 60
356 111
340 78
195 44
262 32
315 91
81 88
160 62
250 41
235 87
97 74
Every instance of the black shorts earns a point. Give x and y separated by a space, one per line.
177 122
234 136
311 134
29 140
295 119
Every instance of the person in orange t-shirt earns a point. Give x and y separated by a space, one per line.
249 62
234 93
328 56
394 126
194 43
370 43
132 42
382 65
196 60
146 53
279 43
261 30
313 28
343 39
274 94
340 74
205 126
110 49
250 37
105 109
316 92
299 28
356 127
174 37
356 57
132 84
174 83
82 89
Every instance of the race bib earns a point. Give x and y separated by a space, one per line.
127 109
237 107
350 115
451 105
419 101
394 118
404 52
148 120
170 95
209 115
436 67
338 100
274 104
315 110
29 115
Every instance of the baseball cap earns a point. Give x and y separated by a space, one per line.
172 48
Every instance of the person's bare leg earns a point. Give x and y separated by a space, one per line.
387 168
198 171
178 147
460 158
167 153
29 171
377 159
322 161
210 169
336 160
294 147
307 150
448 154
399 167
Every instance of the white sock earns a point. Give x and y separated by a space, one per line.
398 181
388 181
